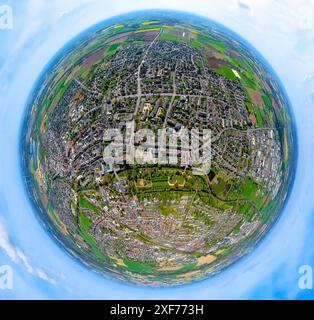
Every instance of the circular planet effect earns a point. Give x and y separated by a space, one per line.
152 223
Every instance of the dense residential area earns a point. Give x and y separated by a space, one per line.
151 221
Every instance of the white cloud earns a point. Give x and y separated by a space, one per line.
41 14
43 275
18 256
245 4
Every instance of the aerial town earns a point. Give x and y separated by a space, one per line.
151 219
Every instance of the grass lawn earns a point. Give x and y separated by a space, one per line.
84 203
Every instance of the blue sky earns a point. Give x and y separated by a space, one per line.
283 31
